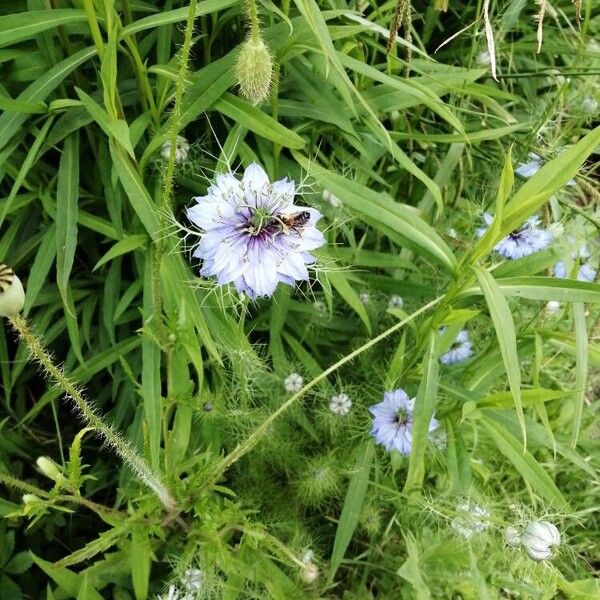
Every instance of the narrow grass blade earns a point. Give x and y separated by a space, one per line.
507 338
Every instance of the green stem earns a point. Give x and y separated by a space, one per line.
94 27
254 23
89 413
257 434
165 201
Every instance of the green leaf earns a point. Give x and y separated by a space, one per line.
257 121
140 562
383 213
39 90
67 196
340 282
581 368
22 26
67 580
127 244
425 404
353 503
507 338
531 471
550 178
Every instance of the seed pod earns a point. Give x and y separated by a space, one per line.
540 538
12 295
254 70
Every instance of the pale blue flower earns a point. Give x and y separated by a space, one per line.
530 168
248 236
585 272
460 350
393 421
526 240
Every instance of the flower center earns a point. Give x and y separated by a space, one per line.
261 221
402 416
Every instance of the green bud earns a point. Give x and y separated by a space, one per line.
31 499
254 70
49 468
12 295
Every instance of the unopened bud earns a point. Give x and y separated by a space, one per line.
49 468
12 295
309 573
31 499
254 70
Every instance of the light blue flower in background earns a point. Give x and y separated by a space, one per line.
393 421
529 169
585 272
526 240
460 350
246 237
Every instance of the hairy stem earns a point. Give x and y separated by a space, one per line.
89 413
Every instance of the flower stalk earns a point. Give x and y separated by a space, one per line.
90 414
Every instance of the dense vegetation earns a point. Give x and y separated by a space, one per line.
225 434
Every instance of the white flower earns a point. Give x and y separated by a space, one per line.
332 200
364 297
590 105
12 295
552 307
395 301
192 579
470 519
309 573
308 557
484 58
181 149
340 404
512 537
540 539
293 383
320 307
252 234
460 350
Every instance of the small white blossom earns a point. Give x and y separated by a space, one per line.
552 307
293 383
192 579
340 404
470 519
181 150
309 573
320 307
332 200
484 58
364 297
540 539
589 105
395 301
308 557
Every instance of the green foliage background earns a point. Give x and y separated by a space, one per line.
416 144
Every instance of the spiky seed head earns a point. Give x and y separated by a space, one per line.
12 295
254 70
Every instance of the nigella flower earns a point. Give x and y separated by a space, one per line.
460 350
585 272
340 404
393 421
526 240
395 301
364 297
293 383
182 149
254 236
